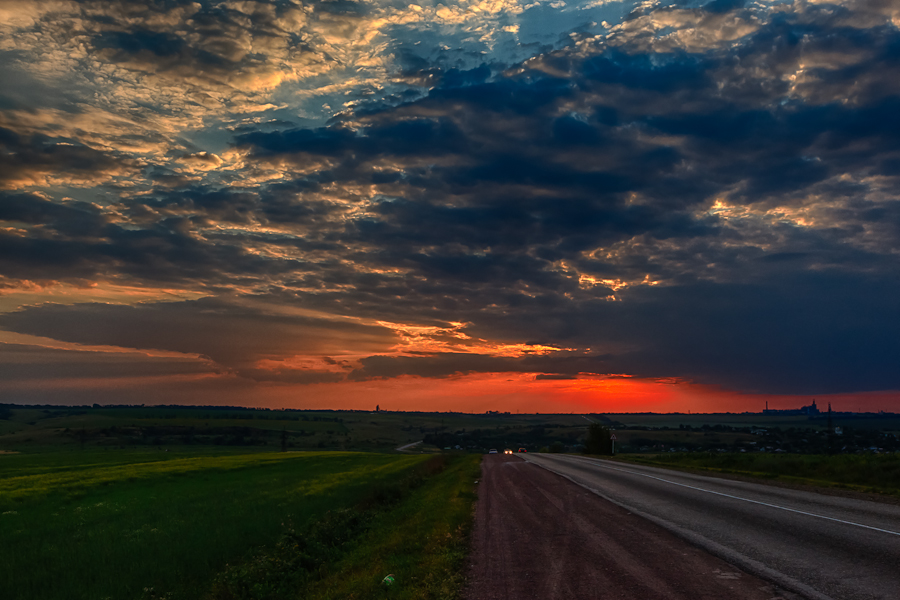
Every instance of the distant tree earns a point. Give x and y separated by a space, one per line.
598 441
377 407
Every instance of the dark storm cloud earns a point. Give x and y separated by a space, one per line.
204 204
71 218
452 364
799 333
767 151
205 39
400 138
819 334
209 327
165 253
20 362
814 336
232 335
291 375
77 240
514 187
707 193
324 141
160 44
26 159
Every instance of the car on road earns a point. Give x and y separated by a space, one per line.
507 451
492 451
522 450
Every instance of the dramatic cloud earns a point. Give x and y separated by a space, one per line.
255 341
367 192
23 364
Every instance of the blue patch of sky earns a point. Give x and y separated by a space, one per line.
418 47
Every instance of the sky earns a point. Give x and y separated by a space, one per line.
467 205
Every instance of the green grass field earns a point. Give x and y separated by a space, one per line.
51 429
734 420
879 473
206 430
148 524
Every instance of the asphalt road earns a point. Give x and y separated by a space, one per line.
538 536
819 546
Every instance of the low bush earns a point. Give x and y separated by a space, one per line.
296 559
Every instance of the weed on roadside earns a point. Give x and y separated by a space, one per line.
296 559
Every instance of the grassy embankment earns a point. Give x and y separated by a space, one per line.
878 473
415 532
137 525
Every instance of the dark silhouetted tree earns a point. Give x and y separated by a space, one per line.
598 441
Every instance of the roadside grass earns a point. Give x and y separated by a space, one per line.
414 529
165 529
870 473
423 543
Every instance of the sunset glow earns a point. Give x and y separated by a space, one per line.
458 206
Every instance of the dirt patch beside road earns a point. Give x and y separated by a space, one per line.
540 536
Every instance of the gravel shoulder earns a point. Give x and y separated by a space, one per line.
538 535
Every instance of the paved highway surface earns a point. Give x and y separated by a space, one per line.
538 536
822 547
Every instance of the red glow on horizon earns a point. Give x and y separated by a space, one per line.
518 392
502 392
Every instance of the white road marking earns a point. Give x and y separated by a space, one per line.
809 514
402 448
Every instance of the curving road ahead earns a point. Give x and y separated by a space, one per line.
822 547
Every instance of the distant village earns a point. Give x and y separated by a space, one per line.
811 410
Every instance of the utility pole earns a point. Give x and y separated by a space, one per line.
830 432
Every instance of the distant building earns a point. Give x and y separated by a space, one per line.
809 411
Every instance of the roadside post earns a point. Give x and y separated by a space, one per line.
612 437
